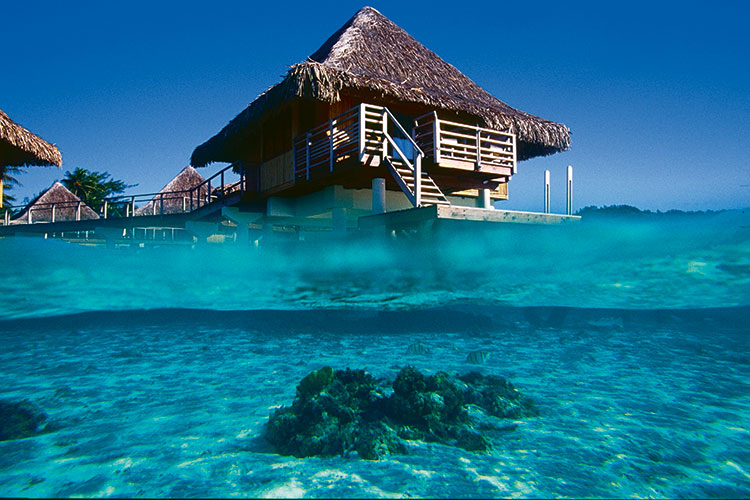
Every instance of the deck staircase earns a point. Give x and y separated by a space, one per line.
416 184
404 177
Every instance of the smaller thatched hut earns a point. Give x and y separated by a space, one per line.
56 204
174 198
19 147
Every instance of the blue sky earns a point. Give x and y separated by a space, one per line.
657 94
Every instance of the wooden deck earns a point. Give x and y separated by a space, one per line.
463 157
416 217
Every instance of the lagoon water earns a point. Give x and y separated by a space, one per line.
160 366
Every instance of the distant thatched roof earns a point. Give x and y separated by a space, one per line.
371 54
66 205
187 179
20 147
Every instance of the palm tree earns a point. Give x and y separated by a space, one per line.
93 187
8 181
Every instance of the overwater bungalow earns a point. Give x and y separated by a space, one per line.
372 122
19 147
56 204
175 196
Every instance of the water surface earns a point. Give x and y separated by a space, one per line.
160 366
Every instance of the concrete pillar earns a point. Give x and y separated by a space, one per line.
378 195
338 222
243 221
484 199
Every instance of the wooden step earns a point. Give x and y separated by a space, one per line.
431 193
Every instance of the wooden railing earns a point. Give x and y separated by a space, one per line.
45 212
162 203
359 132
452 141
352 134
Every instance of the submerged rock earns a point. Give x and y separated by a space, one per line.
20 420
338 412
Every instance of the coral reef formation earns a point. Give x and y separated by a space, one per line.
339 412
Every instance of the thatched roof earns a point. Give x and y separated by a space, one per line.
66 205
20 147
370 54
187 179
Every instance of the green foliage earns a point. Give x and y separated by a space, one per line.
93 187
9 181
631 212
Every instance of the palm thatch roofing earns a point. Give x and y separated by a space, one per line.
19 147
175 192
370 54
66 206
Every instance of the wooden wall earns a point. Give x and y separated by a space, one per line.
499 193
277 171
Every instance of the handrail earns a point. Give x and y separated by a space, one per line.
127 202
414 195
398 150
406 134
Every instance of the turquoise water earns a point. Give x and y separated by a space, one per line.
160 366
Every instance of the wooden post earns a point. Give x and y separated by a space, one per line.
418 180
385 134
28 215
307 156
2 172
161 204
132 206
105 209
53 212
479 149
7 217
546 192
436 136
222 183
362 125
330 143
184 202
78 211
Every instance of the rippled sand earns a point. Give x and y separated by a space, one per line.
170 403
